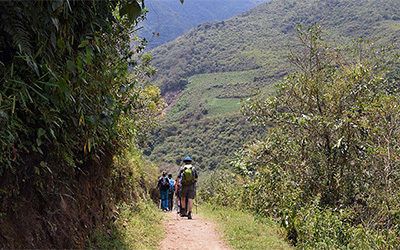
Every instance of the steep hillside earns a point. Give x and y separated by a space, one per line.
168 19
218 64
261 37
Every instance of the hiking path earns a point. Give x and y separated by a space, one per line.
195 234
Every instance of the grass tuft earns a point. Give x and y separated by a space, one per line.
242 231
137 227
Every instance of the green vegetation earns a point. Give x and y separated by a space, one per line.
328 168
243 231
205 122
209 141
76 107
137 227
206 66
168 19
261 38
223 106
71 117
213 94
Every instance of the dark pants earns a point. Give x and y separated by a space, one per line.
164 199
189 192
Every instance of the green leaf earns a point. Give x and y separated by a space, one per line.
70 66
132 9
88 55
38 142
84 43
41 132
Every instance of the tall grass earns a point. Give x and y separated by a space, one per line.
243 231
136 227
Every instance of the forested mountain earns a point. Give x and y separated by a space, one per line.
205 73
167 19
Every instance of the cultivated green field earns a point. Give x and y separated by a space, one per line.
215 94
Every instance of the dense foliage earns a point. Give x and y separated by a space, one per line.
329 168
68 105
193 138
65 83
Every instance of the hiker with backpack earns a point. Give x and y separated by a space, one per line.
188 175
171 192
163 185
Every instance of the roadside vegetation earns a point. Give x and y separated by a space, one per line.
243 231
71 119
136 227
328 169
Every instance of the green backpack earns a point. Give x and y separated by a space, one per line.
188 177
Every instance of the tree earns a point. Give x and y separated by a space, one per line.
335 135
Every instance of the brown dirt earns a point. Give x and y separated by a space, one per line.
198 233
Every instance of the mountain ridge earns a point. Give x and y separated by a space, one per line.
167 19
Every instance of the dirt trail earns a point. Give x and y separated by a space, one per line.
198 233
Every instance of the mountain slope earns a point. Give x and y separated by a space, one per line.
245 55
262 36
167 19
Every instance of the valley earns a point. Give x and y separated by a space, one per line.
209 71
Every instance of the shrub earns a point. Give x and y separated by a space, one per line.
328 167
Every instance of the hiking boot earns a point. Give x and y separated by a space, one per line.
189 215
183 212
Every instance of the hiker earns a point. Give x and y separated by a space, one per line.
178 191
163 186
171 192
188 180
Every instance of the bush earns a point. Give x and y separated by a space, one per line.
135 227
221 187
328 168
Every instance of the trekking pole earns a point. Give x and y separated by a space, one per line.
176 208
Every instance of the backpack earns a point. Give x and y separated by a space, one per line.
164 183
188 177
171 186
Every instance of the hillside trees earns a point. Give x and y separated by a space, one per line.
68 105
256 43
328 168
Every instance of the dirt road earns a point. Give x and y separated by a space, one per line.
195 234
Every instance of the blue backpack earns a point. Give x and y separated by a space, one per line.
171 185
